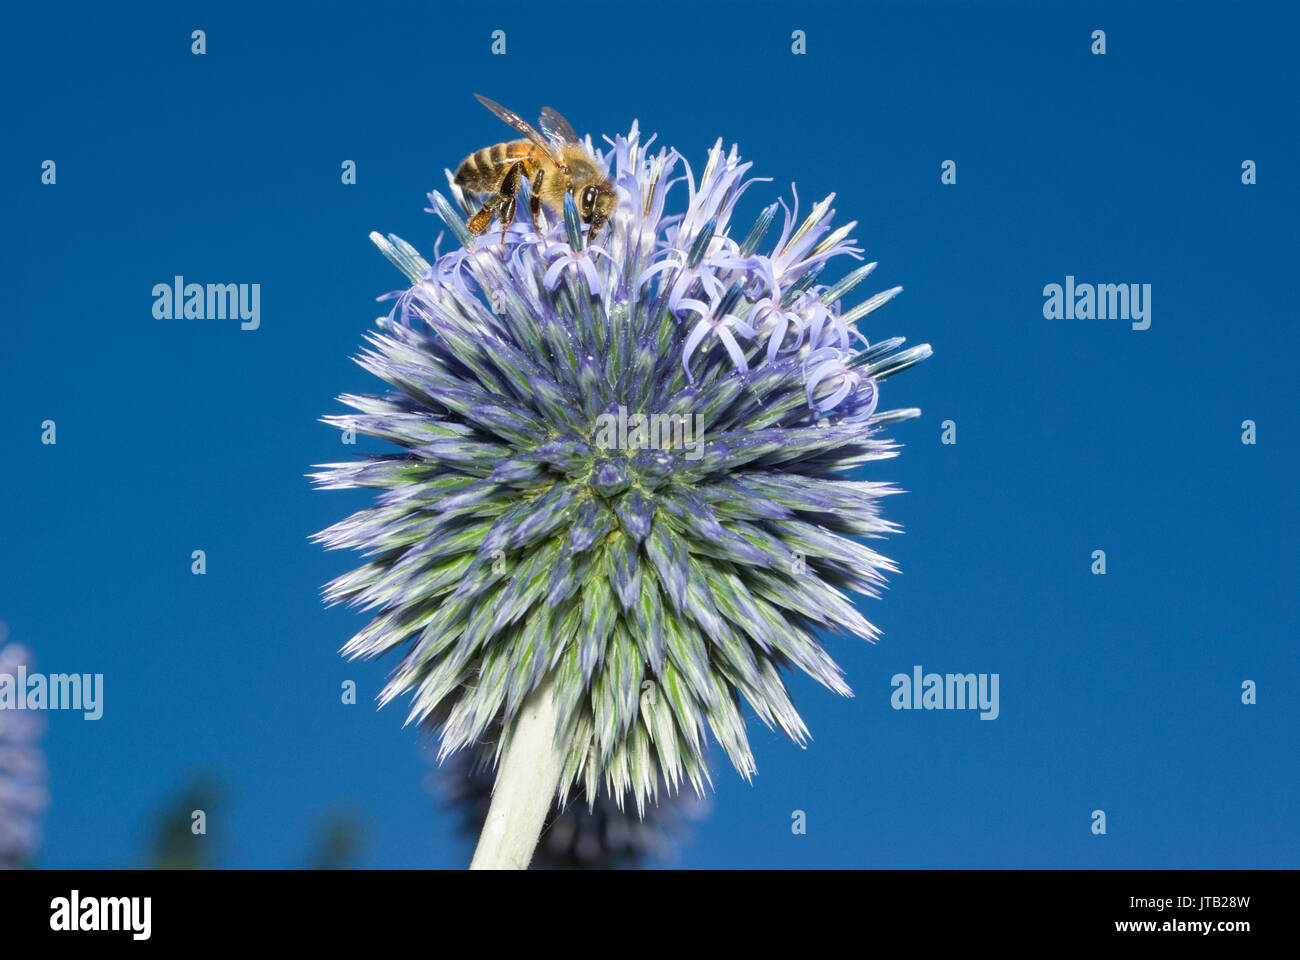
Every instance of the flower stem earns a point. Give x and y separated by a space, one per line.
526 784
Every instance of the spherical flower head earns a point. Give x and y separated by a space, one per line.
22 769
623 470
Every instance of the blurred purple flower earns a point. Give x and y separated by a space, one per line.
23 795
605 836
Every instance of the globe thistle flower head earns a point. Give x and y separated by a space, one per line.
22 770
623 469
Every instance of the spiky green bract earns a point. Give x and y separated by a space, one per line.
664 577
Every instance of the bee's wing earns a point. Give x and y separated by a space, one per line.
524 127
556 127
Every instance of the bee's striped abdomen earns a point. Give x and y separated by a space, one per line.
481 172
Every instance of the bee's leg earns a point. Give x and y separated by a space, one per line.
479 222
509 191
535 199
507 216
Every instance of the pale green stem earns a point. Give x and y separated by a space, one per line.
527 781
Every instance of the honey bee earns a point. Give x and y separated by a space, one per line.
554 164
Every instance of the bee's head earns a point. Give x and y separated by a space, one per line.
596 204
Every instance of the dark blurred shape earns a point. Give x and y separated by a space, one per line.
337 843
175 846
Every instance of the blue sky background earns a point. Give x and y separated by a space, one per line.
1119 693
